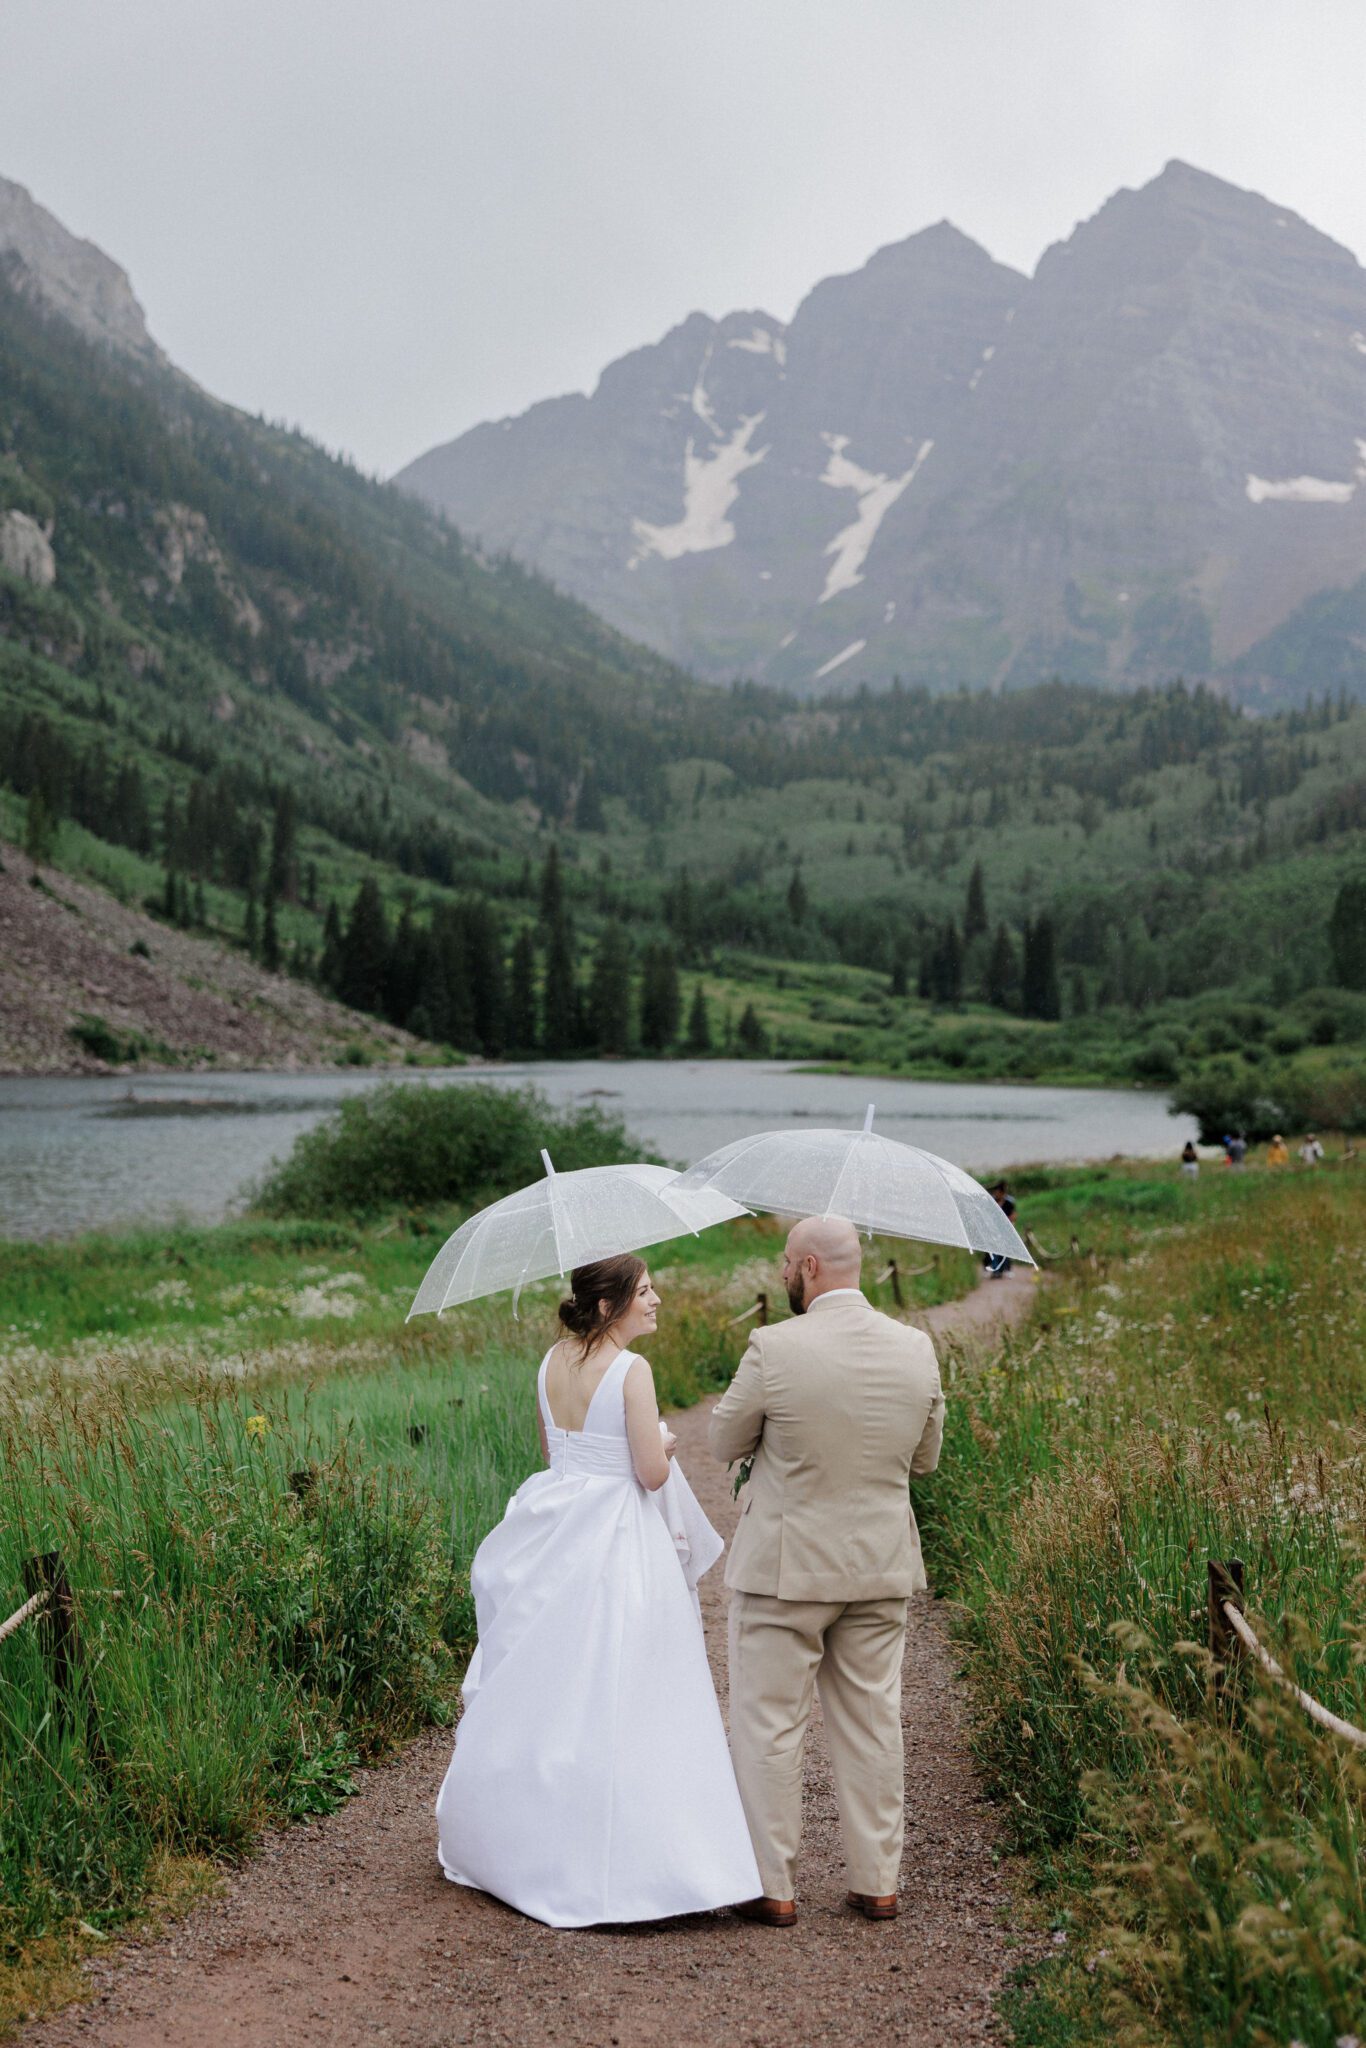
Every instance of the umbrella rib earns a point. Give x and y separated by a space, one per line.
830 1209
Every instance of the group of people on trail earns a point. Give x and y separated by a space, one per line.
1235 1146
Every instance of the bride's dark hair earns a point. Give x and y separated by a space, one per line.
611 1280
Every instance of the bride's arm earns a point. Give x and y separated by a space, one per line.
642 1426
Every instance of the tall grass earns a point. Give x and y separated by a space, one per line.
1196 1393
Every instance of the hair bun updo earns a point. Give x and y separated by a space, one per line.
613 1281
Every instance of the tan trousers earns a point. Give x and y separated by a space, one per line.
779 1651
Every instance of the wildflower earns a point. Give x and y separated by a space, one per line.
258 1425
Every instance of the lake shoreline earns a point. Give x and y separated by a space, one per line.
132 1151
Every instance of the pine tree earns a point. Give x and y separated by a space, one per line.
699 1024
522 1034
329 965
483 947
270 937
609 992
797 898
40 827
1002 971
559 998
751 1037
168 896
660 999
975 914
1347 934
201 913
680 914
250 922
1040 995
365 950
282 879
552 888
898 985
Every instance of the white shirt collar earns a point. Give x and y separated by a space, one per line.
837 1294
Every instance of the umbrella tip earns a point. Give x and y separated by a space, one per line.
545 1161
868 1119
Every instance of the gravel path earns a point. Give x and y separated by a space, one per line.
342 1932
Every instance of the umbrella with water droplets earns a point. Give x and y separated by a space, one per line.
564 1221
882 1186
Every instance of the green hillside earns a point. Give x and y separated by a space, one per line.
281 703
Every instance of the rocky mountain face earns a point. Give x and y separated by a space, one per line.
1148 459
67 276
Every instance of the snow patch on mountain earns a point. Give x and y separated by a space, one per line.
761 343
876 496
711 484
838 660
1298 490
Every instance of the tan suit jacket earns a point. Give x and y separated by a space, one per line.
837 1407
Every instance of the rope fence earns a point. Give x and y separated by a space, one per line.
51 1600
24 1613
1229 1625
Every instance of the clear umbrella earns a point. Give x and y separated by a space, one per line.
880 1184
564 1221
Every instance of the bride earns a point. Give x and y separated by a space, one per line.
591 1781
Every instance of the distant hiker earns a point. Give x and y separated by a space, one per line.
1311 1151
1276 1153
996 1263
1190 1161
1236 1147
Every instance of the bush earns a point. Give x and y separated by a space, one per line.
1158 1060
410 1146
1225 1095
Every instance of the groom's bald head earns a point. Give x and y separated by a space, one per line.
822 1252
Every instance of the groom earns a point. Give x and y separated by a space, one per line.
837 1408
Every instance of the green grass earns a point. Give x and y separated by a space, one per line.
1191 1388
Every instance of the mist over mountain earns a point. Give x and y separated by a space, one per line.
1148 459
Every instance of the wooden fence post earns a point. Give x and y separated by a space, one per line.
1225 1583
896 1284
761 1304
61 1638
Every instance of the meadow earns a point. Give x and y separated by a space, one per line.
1191 1388
267 1490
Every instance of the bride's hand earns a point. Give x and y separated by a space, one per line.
670 1443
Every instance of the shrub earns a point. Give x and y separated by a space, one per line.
410 1146
1224 1095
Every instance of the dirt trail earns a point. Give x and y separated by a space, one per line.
342 1932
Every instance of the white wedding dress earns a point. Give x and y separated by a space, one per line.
591 1781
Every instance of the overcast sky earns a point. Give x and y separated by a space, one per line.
389 219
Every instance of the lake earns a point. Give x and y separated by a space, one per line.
96 1152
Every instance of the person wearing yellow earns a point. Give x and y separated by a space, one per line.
1276 1153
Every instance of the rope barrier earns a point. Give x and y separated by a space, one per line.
1238 1623
24 1613
743 1316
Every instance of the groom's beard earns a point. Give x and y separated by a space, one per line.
796 1295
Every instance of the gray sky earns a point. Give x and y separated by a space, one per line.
388 219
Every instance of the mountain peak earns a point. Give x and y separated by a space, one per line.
70 277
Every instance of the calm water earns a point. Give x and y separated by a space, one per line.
90 1153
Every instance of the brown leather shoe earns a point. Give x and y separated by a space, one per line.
768 1912
885 1908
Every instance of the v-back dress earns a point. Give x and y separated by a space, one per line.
591 1781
